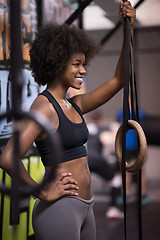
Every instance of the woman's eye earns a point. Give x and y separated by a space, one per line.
76 64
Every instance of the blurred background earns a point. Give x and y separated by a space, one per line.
147 55
99 19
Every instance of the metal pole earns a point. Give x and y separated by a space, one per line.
17 84
78 12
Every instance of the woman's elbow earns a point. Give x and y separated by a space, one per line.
5 164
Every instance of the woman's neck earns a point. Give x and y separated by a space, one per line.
58 91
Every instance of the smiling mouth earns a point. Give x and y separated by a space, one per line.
79 79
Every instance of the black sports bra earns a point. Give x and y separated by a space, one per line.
73 135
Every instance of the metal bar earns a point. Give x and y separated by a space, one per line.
39 12
108 35
17 84
78 12
15 194
80 18
16 56
2 206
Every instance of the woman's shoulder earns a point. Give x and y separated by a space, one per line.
43 106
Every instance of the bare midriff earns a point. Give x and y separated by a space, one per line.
80 173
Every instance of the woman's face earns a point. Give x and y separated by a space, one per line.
75 69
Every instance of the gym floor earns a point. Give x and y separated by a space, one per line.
114 229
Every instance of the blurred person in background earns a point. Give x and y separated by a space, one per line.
102 159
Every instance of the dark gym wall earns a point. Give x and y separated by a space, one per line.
147 65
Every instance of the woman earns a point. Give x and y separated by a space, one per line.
63 209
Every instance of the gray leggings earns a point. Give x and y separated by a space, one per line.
69 218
